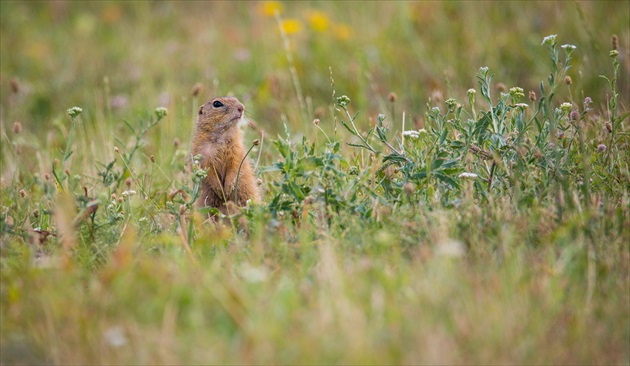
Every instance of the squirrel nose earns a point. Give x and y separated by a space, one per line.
240 107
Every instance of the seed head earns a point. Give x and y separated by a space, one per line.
197 88
22 193
567 80
152 158
316 121
532 95
615 42
176 142
609 127
501 87
15 85
116 149
409 188
17 128
128 182
392 97
587 102
182 209
256 142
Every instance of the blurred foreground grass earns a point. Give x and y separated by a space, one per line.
495 231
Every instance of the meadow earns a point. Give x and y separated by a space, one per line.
442 183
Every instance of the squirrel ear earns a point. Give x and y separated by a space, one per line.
200 110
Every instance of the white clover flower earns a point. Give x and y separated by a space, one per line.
451 103
343 101
74 111
253 274
467 176
471 91
550 40
411 133
568 46
450 248
128 193
566 107
422 131
115 336
161 112
521 105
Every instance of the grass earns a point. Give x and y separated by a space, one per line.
495 229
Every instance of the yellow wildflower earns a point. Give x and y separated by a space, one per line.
269 8
290 26
342 32
317 20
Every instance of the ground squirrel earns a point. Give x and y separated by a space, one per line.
218 139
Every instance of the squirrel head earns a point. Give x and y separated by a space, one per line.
220 113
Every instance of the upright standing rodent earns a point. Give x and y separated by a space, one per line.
219 140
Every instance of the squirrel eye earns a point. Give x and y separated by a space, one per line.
201 110
217 104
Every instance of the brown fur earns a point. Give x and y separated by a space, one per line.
219 140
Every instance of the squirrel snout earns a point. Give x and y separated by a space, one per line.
240 107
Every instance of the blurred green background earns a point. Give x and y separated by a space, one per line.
120 59
544 282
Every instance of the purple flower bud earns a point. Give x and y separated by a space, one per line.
587 101
574 115
601 148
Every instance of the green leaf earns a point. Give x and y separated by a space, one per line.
348 127
445 179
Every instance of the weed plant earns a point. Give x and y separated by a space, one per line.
493 227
